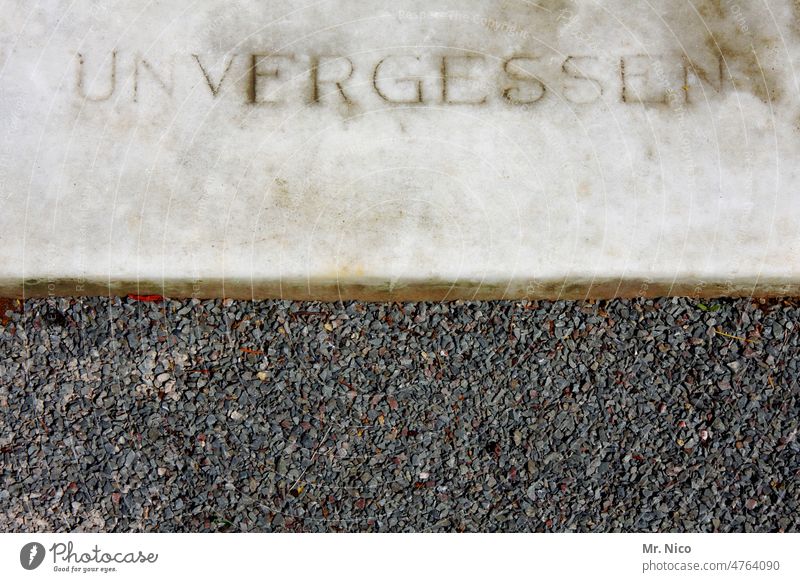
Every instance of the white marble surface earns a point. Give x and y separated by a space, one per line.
400 148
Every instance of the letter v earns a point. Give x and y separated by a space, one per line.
209 82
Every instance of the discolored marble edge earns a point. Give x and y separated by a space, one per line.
380 290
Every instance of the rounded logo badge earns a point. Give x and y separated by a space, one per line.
31 555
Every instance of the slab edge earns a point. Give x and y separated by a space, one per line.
381 290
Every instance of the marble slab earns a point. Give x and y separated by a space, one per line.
400 149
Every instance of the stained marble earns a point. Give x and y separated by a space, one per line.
400 149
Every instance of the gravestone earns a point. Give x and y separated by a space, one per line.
400 149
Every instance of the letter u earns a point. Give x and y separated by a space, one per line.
82 80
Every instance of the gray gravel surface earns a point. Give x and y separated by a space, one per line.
668 415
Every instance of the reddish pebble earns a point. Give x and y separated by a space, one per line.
146 298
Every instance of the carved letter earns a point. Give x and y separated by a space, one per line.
582 89
143 64
447 77
692 72
255 73
514 94
209 82
376 82
317 79
81 81
645 81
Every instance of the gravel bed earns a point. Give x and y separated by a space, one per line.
670 415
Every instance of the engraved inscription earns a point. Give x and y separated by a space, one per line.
454 79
